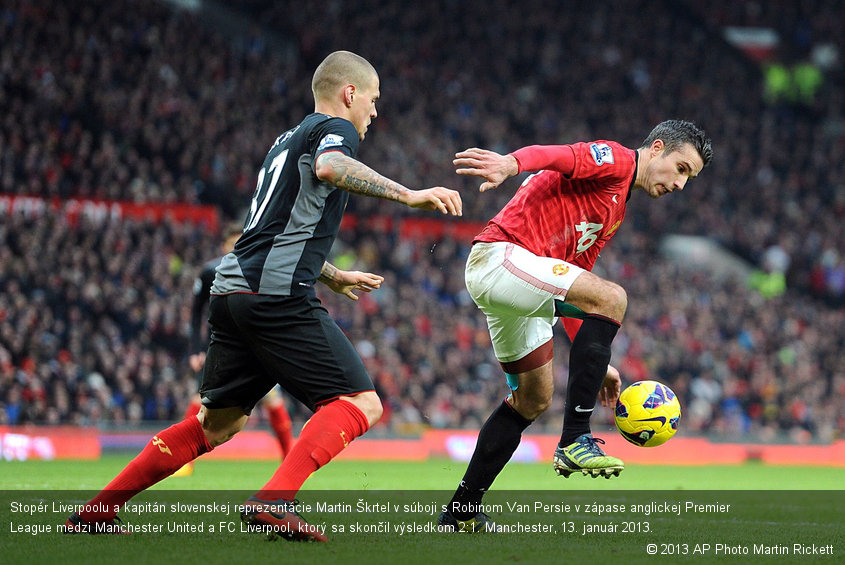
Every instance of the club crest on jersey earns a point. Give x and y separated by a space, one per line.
560 269
602 153
331 140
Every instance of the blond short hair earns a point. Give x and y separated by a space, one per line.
339 69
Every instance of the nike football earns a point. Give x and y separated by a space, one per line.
647 413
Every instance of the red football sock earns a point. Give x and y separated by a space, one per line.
325 435
280 422
193 409
163 455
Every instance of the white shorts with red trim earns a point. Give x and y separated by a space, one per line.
516 290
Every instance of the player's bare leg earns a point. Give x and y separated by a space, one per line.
221 424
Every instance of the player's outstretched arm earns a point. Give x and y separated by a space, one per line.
493 167
350 174
345 282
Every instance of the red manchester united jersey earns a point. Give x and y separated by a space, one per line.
569 218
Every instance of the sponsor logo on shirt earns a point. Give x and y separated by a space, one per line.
602 153
333 140
560 269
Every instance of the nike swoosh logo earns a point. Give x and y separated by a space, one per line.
660 419
579 409
614 199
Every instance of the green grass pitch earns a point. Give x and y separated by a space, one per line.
756 512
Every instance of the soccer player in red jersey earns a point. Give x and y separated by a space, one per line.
531 264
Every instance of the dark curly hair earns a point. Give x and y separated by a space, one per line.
674 133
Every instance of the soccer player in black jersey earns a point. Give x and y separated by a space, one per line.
267 325
273 403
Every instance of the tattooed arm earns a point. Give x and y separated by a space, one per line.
351 175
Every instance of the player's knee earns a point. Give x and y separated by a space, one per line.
614 301
535 409
595 295
370 405
219 426
219 436
374 411
620 297
531 407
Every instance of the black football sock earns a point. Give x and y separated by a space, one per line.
588 360
498 439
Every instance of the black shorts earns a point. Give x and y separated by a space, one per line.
258 341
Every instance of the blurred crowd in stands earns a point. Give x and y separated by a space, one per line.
135 101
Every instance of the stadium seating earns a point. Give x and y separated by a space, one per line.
133 101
